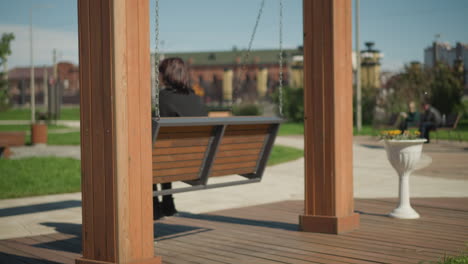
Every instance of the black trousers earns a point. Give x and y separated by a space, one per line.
425 128
164 186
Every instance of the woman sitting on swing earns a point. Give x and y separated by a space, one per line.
176 99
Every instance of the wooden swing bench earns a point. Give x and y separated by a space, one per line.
194 149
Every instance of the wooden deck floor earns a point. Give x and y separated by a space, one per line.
268 234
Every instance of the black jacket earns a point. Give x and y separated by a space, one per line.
173 104
432 115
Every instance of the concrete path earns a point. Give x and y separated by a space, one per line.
46 151
68 123
373 178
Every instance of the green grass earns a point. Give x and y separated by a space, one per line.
38 176
288 129
281 154
460 259
440 134
72 138
454 260
69 113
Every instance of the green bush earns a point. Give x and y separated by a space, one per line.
246 110
368 103
293 103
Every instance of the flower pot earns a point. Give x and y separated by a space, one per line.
403 155
39 134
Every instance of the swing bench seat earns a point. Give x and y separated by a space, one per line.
194 149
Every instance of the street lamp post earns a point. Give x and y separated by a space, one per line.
32 79
358 74
31 54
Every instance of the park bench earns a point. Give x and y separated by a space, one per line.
194 149
9 139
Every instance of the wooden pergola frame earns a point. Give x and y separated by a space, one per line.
116 126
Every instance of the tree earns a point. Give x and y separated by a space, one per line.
5 51
413 84
440 85
446 89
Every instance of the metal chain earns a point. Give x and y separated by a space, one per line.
156 64
247 53
281 59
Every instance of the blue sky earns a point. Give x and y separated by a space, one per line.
401 29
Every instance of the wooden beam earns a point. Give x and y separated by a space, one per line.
116 132
328 118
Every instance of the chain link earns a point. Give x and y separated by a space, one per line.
156 63
281 59
247 53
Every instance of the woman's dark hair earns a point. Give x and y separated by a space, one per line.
175 75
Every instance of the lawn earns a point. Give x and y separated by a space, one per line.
50 175
38 176
72 138
282 154
67 113
287 129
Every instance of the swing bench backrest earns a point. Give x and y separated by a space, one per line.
194 149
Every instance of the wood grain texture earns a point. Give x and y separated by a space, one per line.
237 159
177 164
250 146
175 171
178 157
268 233
243 170
85 129
178 177
183 142
116 131
235 153
231 139
226 166
328 111
178 150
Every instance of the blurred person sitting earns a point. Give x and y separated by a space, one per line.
430 120
411 119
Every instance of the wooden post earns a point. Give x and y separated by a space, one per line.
328 118
116 132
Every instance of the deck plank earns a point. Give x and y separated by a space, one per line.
268 233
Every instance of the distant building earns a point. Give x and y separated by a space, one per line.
370 66
371 73
67 79
219 76
456 57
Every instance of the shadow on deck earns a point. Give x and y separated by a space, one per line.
269 234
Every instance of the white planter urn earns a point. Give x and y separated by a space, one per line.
403 155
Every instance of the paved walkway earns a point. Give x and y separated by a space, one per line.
68 123
373 178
